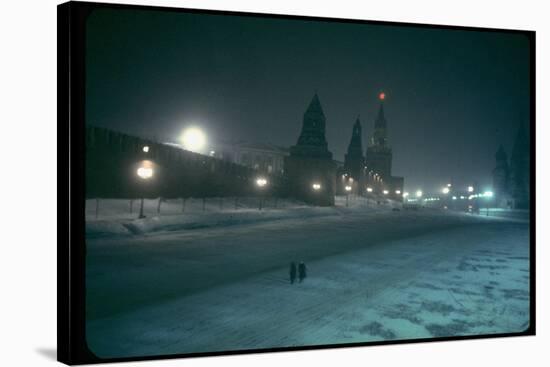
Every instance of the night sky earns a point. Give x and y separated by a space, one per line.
452 96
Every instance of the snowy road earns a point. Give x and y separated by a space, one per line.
372 276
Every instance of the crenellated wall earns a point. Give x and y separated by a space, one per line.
112 160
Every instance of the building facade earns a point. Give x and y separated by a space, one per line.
262 157
379 161
353 172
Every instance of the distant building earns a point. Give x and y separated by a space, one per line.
353 172
263 157
379 161
501 179
309 168
511 181
520 169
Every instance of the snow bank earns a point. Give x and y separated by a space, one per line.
117 217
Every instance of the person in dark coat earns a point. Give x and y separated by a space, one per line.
292 272
302 272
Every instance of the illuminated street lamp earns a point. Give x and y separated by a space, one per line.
146 149
385 192
419 193
348 190
488 195
261 183
446 190
145 172
316 186
470 189
397 192
369 189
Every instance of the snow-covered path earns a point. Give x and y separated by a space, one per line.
372 276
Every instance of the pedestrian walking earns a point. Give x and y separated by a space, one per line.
302 271
292 272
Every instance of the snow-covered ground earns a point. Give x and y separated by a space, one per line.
373 274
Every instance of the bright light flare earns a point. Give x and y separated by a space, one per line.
488 194
146 149
470 189
419 194
348 188
316 186
446 190
193 139
369 189
385 192
405 194
261 182
145 172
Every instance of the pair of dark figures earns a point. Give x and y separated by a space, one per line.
301 270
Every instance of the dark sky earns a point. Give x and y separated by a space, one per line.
452 95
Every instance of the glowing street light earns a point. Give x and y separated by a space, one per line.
470 189
397 192
419 193
369 189
385 192
316 186
146 149
261 183
488 195
193 139
348 190
446 190
145 172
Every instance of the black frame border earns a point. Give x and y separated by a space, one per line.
71 252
